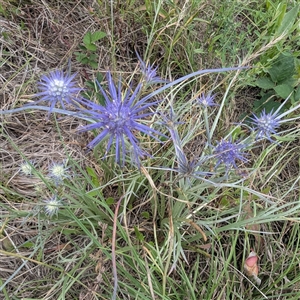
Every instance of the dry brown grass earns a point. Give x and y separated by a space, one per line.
42 36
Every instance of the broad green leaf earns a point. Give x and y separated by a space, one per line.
93 64
97 35
265 97
265 83
87 39
145 214
85 60
260 105
93 57
283 68
110 201
271 106
91 47
283 90
80 56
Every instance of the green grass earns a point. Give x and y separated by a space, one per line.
129 233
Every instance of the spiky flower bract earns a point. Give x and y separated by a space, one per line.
52 206
149 73
58 172
56 87
228 152
266 124
206 100
185 167
119 119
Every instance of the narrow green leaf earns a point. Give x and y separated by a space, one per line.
288 20
138 234
297 94
199 51
28 244
297 67
279 15
93 176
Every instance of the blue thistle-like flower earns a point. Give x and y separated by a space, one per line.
206 100
228 152
149 73
119 119
52 206
57 88
266 124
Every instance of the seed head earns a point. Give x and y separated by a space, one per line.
26 168
58 172
52 206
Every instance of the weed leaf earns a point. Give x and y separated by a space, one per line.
288 20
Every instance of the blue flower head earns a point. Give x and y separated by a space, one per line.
228 152
265 124
57 88
149 73
119 119
206 100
